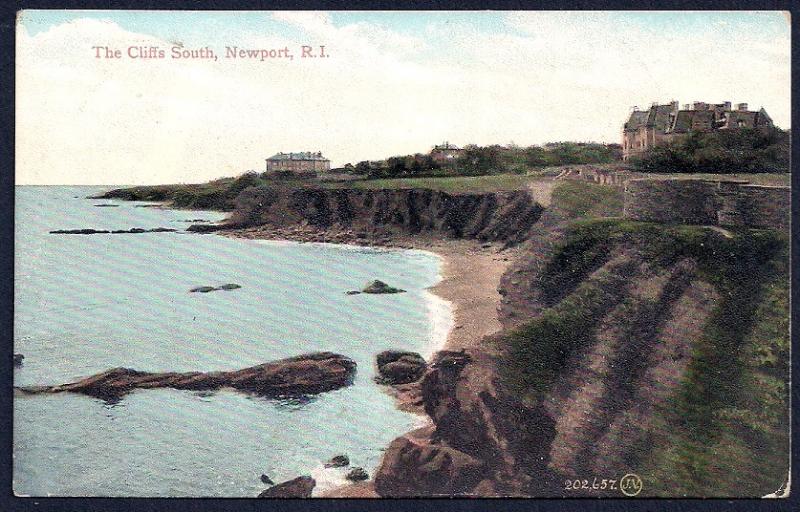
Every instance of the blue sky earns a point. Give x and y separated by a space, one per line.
395 83
201 24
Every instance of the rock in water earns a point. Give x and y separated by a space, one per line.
202 289
357 474
206 289
18 359
267 480
86 231
339 461
293 377
300 487
399 367
377 286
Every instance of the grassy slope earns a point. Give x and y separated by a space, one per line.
726 432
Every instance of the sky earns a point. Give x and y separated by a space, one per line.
390 83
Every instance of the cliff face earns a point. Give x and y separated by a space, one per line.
627 349
499 216
482 443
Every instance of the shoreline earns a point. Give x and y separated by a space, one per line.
469 277
470 274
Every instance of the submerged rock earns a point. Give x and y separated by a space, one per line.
89 231
18 359
352 292
85 231
357 475
206 289
399 367
377 286
293 377
202 289
267 480
300 487
339 461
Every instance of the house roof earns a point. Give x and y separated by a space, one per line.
637 120
446 146
303 155
686 118
664 119
659 117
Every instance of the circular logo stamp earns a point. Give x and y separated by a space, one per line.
630 484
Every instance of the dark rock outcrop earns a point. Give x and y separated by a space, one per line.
89 231
300 487
494 216
357 475
378 287
413 466
206 289
484 440
296 376
205 228
202 289
338 461
399 367
18 360
266 480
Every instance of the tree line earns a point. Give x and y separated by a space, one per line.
477 160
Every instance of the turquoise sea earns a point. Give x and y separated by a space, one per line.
87 303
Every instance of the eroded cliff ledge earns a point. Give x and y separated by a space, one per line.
496 216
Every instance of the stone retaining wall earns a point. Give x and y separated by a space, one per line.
707 202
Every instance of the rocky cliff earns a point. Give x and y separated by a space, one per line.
628 348
497 216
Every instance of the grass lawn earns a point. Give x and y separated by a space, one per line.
491 183
773 179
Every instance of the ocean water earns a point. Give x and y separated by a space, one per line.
87 303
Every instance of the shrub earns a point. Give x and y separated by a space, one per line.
746 150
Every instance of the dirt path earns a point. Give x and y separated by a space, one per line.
542 191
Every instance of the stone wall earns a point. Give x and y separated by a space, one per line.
707 202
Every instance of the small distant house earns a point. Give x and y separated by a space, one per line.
446 153
661 124
303 162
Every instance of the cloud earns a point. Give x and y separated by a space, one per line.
548 76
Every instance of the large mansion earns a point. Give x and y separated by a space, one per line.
663 123
305 161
